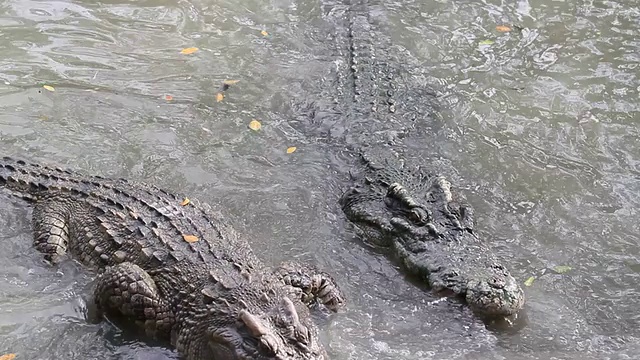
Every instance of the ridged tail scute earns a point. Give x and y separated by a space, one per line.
30 180
12 181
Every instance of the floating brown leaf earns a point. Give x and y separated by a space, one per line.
255 125
291 149
185 202
188 51
7 357
190 238
219 97
503 28
226 84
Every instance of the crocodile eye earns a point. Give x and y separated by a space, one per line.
418 216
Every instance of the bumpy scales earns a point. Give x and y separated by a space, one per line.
382 103
178 272
430 230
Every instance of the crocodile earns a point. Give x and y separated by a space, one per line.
173 268
411 212
430 229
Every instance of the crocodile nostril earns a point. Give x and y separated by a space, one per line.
497 283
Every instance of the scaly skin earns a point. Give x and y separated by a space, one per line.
381 102
430 230
211 298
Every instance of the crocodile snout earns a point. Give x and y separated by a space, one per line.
496 296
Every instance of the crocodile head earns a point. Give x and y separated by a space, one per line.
247 325
415 214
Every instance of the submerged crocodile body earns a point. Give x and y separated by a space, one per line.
173 269
415 213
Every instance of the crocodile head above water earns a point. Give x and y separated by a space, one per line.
415 214
276 332
230 319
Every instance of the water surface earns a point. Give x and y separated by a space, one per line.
537 129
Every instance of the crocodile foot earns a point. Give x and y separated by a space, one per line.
311 285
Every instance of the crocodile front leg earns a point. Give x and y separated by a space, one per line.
311 285
129 291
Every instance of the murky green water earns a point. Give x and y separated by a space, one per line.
540 135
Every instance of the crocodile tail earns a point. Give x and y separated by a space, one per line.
14 176
28 180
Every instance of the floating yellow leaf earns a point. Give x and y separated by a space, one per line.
168 97
185 202
264 33
219 97
50 88
291 149
230 82
486 42
255 125
503 28
188 51
7 357
190 238
529 281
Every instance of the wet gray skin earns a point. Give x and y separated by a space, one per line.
212 298
430 231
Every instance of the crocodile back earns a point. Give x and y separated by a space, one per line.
165 227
